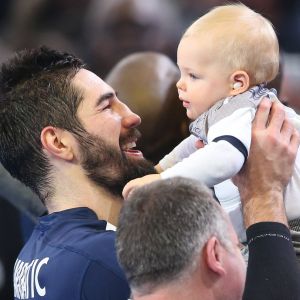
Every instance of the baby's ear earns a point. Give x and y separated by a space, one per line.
57 142
240 82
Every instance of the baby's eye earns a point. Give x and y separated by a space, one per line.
193 76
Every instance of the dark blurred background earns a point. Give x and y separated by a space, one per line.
104 31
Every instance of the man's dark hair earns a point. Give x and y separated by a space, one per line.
162 229
35 92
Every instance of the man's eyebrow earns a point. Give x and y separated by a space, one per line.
105 96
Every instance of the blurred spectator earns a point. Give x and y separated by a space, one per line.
19 209
103 32
55 23
193 9
11 244
285 16
117 28
20 196
5 51
290 89
5 6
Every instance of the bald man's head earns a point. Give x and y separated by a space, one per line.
146 82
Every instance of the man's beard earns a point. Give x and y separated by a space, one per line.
108 166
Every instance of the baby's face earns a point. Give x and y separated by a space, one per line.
203 81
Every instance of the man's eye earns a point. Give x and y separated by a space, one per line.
107 107
106 104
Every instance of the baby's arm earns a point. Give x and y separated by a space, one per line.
222 158
158 168
184 149
224 155
214 163
194 144
181 151
205 165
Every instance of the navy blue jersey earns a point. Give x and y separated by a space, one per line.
70 255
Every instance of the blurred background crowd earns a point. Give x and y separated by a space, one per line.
102 32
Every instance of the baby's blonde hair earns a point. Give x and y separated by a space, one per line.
243 40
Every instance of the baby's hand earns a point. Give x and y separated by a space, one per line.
199 144
158 168
131 185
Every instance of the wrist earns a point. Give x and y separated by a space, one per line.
265 207
158 168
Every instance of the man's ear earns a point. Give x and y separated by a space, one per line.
240 82
214 256
57 142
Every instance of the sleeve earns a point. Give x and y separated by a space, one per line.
184 149
104 284
273 271
211 165
237 125
227 149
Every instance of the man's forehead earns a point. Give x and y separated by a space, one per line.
93 89
86 81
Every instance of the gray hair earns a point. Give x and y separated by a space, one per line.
162 229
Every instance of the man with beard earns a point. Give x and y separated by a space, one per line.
66 135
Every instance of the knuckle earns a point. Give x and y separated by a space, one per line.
273 139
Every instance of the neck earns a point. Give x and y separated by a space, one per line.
74 189
196 285
177 292
192 289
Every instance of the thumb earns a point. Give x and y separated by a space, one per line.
199 144
128 188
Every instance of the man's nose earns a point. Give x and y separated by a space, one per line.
131 120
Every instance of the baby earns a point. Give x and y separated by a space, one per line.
225 58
